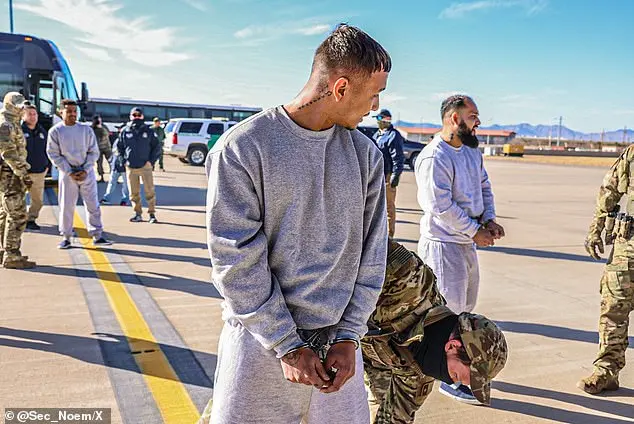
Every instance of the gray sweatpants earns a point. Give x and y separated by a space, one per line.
456 269
250 388
69 191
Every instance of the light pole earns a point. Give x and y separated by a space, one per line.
11 15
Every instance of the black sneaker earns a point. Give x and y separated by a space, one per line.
123 203
64 244
136 218
101 241
153 219
31 225
104 202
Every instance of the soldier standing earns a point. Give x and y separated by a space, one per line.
415 339
14 181
617 290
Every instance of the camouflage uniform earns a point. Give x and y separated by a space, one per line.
617 282
409 301
14 180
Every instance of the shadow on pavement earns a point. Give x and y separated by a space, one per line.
554 414
168 282
402 240
587 401
157 242
540 254
164 257
554 331
116 353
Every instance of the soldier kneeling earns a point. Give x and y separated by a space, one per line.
414 339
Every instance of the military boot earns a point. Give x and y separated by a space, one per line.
19 263
598 382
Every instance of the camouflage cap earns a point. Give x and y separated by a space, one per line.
486 347
13 99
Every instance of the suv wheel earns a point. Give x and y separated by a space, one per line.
196 156
412 160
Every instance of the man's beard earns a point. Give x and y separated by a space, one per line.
465 135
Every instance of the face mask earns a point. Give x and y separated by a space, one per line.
430 352
466 137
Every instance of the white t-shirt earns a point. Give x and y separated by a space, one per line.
454 192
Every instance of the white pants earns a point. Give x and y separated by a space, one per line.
69 191
250 388
456 269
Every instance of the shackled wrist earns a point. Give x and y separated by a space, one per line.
346 339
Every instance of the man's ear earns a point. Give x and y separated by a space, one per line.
452 345
339 89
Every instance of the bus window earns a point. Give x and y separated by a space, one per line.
152 111
224 115
45 98
239 115
176 112
197 113
108 112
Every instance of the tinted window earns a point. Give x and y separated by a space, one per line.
176 112
190 127
240 115
197 113
215 129
109 112
151 111
218 114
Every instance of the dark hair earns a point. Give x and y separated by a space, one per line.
96 119
453 103
67 102
462 352
29 106
351 50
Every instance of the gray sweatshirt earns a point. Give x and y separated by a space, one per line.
297 228
454 192
71 147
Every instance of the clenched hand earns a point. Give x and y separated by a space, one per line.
342 357
303 366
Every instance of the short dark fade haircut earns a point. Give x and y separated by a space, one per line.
453 103
67 102
351 51
462 352
28 105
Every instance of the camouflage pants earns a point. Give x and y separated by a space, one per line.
399 391
13 215
617 301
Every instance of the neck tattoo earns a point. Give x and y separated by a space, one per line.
315 100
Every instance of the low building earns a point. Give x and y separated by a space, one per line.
425 134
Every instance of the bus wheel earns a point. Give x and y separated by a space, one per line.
196 156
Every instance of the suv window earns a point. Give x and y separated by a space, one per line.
190 127
215 129
170 126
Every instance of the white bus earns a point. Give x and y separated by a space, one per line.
116 112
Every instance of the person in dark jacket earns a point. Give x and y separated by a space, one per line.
160 135
35 136
117 169
390 142
140 149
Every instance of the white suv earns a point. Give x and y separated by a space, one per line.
189 139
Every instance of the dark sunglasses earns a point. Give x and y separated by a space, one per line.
136 115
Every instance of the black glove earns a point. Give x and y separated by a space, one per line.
394 181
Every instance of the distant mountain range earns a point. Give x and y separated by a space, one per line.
544 131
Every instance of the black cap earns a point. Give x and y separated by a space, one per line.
384 113
136 109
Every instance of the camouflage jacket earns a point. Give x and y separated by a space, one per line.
13 144
618 181
408 299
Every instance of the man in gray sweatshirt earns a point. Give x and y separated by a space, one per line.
73 148
297 235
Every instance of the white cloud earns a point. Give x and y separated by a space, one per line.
391 98
440 96
460 10
99 26
197 4
260 33
94 53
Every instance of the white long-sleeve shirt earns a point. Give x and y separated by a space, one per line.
297 228
454 192
72 146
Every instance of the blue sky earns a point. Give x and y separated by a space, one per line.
521 60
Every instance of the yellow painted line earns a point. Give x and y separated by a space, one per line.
172 399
